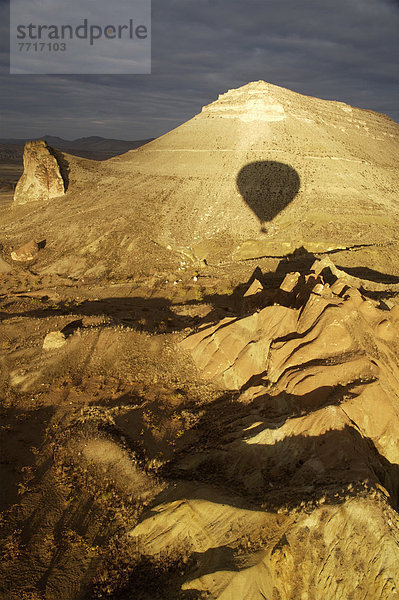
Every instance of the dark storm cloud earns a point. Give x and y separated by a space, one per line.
346 50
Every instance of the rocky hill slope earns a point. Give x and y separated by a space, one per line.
260 172
237 446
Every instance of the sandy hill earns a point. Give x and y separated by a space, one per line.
259 172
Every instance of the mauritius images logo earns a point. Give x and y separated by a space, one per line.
50 36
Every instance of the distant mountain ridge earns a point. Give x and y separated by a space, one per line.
92 146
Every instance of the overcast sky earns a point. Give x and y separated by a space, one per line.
345 50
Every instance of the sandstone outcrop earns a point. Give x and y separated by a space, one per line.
28 251
42 179
296 473
54 340
304 318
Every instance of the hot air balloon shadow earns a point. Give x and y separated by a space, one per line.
267 187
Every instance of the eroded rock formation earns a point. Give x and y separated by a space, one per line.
292 488
27 252
42 179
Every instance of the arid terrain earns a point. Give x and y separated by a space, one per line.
199 358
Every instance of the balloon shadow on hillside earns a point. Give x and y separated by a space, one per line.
268 187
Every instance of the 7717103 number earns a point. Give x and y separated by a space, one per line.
42 46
